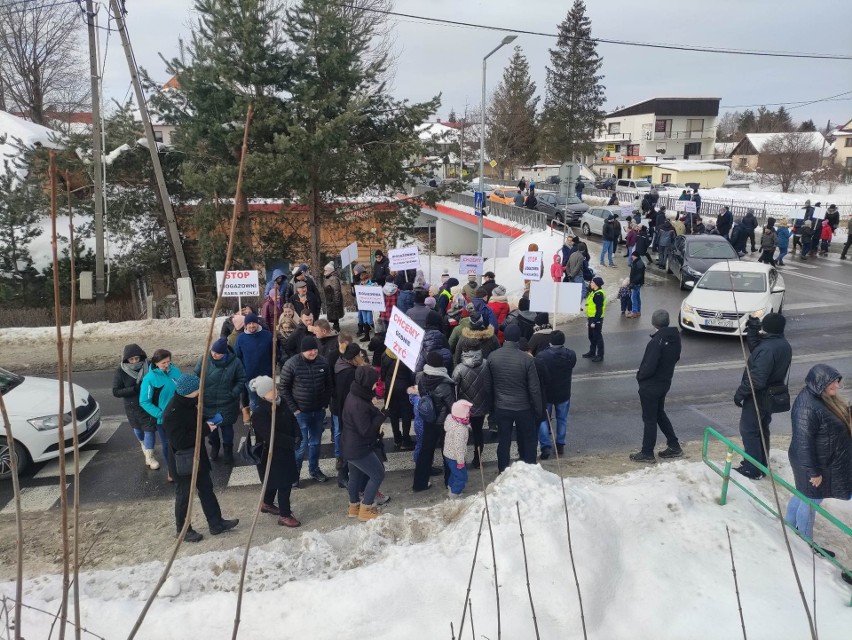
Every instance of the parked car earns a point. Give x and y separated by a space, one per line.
555 206
32 404
691 256
470 187
605 183
591 222
553 180
630 184
727 294
504 197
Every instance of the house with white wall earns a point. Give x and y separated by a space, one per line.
842 146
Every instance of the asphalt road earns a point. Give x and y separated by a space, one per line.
604 413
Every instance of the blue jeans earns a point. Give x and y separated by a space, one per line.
561 425
368 468
365 317
607 250
147 438
458 477
800 515
335 434
311 424
781 254
252 398
579 193
635 298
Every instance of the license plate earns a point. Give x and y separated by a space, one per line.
713 322
93 419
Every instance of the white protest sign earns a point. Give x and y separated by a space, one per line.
471 264
368 298
689 206
349 254
404 258
680 205
565 296
238 283
404 338
819 213
496 247
626 210
532 265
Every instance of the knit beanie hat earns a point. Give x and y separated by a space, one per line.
512 333
351 351
328 269
524 304
598 281
542 318
461 409
186 384
499 290
220 346
557 338
774 323
252 318
434 359
309 343
477 322
262 385
430 302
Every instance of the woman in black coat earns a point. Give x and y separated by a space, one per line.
399 409
283 471
821 448
435 382
125 385
360 432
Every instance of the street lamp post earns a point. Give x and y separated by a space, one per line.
506 40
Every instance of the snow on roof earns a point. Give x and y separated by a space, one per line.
15 131
724 147
692 166
759 140
436 130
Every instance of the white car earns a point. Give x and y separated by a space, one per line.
32 404
592 220
728 293
632 184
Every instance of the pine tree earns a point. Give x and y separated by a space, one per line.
807 125
747 123
573 107
511 133
783 122
22 204
452 117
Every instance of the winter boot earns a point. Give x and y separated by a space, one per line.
214 450
643 457
354 510
336 325
228 449
360 330
366 337
368 512
475 463
150 460
222 526
192 536
671 452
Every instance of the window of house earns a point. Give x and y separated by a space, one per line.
848 142
695 126
666 177
158 136
849 163
618 148
663 126
633 150
614 127
743 163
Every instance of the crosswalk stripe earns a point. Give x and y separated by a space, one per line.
34 499
51 469
109 425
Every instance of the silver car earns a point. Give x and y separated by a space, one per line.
593 220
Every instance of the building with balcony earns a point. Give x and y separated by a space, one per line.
656 131
842 146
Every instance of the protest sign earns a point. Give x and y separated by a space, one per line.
238 283
533 265
496 247
404 338
471 264
680 205
349 254
689 206
369 298
561 297
404 258
626 210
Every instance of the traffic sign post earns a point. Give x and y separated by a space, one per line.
478 202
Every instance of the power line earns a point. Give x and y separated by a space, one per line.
25 5
630 43
800 103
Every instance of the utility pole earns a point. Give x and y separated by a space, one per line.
822 151
171 224
97 162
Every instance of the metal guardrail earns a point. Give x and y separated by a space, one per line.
725 473
534 220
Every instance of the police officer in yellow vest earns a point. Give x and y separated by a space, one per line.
595 308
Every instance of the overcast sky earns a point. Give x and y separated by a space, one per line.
434 59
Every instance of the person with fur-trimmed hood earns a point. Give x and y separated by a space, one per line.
476 336
434 340
333 296
542 331
473 384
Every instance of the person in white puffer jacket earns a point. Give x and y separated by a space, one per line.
457 428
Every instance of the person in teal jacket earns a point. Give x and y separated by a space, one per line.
158 387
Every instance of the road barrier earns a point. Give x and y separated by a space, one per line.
534 220
725 473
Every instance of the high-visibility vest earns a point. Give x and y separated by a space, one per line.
591 311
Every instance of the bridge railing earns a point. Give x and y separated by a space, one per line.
530 218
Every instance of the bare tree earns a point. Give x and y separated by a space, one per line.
42 67
786 158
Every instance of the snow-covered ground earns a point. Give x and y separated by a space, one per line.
650 548
765 193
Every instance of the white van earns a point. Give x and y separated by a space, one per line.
630 184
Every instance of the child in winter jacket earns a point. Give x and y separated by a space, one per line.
825 236
624 295
457 427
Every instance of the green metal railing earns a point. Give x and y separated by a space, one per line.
725 473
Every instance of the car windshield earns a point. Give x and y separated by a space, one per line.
9 381
714 250
743 282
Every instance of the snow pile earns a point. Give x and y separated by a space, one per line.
15 131
643 542
763 193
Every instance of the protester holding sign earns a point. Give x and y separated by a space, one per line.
365 318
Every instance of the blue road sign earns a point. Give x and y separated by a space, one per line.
478 202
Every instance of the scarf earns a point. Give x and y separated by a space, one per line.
136 371
438 372
839 407
464 421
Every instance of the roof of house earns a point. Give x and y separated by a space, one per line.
755 142
692 166
724 148
437 131
671 107
845 130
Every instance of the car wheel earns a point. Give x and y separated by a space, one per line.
586 231
680 279
21 457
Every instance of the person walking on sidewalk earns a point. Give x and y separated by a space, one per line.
769 365
457 428
125 385
655 379
223 384
305 386
768 242
362 422
558 362
595 309
782 239
158 387
180 418
637 281
282 471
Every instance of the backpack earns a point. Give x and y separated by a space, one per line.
426 409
